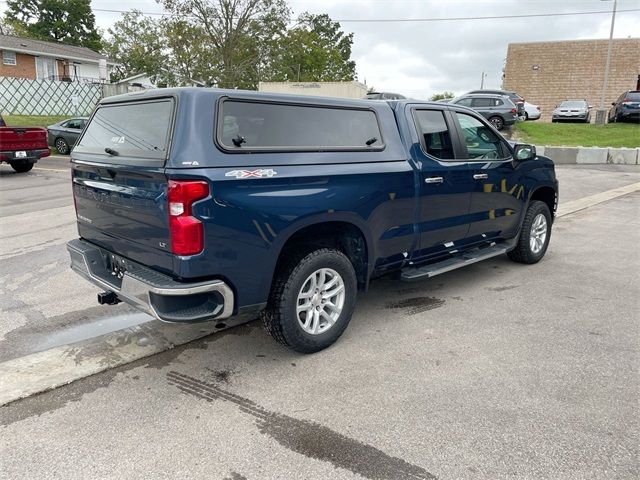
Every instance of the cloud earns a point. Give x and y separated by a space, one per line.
419 59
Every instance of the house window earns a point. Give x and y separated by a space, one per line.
8 58
45 68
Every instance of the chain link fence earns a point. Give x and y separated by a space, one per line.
19 96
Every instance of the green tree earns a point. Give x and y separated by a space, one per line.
229 40
441 96
65 21
136 43
316 49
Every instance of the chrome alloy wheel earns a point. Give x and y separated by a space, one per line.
320 301
538 234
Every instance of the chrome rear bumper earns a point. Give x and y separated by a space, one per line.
152 292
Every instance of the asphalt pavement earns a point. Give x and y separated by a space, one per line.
495 371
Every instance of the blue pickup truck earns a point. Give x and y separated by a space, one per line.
205 204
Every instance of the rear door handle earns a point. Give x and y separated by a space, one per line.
480 176
433 180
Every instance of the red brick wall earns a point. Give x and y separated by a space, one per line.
25 67
572 69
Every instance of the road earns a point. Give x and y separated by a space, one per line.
494 371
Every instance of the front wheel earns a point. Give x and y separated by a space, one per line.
311 301
534 235
526 116
497 122
22 166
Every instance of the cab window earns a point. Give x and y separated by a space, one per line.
480 141
434 133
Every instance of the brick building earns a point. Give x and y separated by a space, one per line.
545 73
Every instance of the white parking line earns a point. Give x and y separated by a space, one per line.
586 202
50 170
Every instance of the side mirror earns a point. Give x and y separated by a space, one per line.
613 103
524 152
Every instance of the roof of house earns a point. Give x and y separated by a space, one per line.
52 49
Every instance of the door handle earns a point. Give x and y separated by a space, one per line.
433 180
480 176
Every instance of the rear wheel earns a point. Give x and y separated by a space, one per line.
22 166
526 116
311 301
62 146
535 234
497 122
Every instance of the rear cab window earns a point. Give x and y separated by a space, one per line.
133 130
245 126
633 97
435 137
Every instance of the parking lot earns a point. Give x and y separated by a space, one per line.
498 370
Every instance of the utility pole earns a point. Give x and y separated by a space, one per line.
482 80
601 113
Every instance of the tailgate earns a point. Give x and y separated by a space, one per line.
119 184
22 138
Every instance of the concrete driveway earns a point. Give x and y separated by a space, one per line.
495 371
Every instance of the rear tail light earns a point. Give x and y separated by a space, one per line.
186 231
514 110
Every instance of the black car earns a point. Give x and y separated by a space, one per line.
513 96
626 107
64 135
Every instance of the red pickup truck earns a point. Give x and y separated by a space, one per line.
21 147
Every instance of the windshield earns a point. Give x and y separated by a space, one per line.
573 104
633 96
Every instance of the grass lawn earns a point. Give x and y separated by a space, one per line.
579 134
32 120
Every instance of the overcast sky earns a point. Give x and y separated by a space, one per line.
420 58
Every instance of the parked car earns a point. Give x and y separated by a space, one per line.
64 135
531 111
384 96
626 107
204 204
513 96
498 109
21 147
572 110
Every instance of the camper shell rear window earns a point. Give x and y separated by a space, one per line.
129 129
246 126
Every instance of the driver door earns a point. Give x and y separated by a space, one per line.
497 199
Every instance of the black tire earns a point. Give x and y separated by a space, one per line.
523 252
280 318
22 166
526 116
62 146
497 122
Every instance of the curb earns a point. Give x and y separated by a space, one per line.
590 155
49 369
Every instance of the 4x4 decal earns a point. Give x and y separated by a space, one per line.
261 172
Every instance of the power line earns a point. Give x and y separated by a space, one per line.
404 20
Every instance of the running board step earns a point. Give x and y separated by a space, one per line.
418 273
